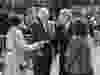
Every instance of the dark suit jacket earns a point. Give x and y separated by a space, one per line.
79 28
38 32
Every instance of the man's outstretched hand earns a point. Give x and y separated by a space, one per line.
34 46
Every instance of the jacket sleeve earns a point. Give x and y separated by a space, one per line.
20 39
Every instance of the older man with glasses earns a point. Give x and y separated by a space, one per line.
39 68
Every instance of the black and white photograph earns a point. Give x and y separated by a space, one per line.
49 37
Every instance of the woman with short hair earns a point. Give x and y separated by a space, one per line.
15 44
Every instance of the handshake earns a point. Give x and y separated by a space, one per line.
35 46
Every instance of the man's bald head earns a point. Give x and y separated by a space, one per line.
43 14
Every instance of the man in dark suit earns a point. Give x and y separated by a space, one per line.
63 24
80 28
42 63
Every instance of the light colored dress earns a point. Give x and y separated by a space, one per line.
16 55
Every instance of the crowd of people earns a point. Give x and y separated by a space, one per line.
43 33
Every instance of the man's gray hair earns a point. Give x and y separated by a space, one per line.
41 10
66 11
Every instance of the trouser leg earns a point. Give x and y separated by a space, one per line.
63 61
42 66
2 66
81 57
43 63
70 54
